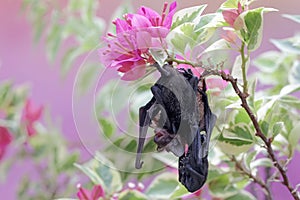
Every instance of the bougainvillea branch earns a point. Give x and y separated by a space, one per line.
259 133
243 66
243 96
256 179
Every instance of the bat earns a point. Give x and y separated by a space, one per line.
180 116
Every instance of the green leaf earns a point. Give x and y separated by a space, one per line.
94 177
230 4
221 44
277 128
159 55
131 194
54 36
213 174
237 68
101 171
294 75
206 21
291 101
241 117
150 147
163 186
206 28
289 89
244 195
68 59
295 18
131 146
249 158
114 183
107 127
87 77
261 162
253 21
237 134
289 45
167 158
191 14
264 127
179 192
236 139
268 62
182 37
5 88
253 26
68 162
221 186
286 90
294 137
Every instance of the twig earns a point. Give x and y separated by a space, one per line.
243 66
243 96
254 178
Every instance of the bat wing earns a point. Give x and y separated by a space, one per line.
144 122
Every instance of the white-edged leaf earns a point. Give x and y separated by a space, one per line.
159 55
191 14
244 195
230 4
294 136
252 22
132 194
182 38
268 61
180 192
249 157
221 44
167 158
289 45
289 89
163 186
237 68
295 18
68 59
101 171
294 75
286 90
261 162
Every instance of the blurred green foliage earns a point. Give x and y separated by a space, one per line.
233 140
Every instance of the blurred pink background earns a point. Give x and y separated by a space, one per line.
24 62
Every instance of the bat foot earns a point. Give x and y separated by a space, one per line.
138 165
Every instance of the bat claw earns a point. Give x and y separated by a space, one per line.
138 164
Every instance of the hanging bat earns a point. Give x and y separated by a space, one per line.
177 112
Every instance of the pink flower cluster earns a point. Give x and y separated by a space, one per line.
30 116
127 51
94 194
5 140
98 191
